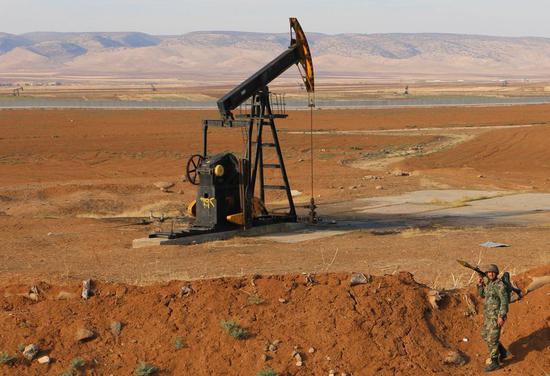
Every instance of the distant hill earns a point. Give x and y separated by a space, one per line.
222 55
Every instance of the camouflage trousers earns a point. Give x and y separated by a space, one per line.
490 332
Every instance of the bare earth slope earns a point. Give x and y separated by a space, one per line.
384 327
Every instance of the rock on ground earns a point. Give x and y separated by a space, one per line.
83 335
31 351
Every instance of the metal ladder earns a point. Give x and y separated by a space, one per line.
262 116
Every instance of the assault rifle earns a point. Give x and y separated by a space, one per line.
505 278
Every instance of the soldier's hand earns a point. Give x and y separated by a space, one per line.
500 322
479 280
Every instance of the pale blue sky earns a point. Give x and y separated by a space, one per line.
490 17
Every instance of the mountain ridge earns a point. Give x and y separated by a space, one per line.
219 53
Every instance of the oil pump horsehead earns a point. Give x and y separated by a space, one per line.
231 190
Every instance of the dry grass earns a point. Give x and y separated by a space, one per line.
169 208
145 369
255 299
327 265
234 329
463 201
268 372
6 358
179 343
458 281
437 232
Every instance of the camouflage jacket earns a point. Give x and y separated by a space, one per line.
496 298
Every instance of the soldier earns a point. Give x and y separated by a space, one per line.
495 309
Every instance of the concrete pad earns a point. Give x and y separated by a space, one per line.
520 209
305 235
394 213
473 208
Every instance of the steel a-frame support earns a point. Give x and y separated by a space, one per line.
261 115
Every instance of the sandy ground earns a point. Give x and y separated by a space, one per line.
74 183
65 173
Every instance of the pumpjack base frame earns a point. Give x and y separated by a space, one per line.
182 233
195 230
198 238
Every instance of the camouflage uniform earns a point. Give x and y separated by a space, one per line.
496 304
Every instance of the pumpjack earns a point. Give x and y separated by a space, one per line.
231 190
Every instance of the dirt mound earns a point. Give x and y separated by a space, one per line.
508 156
385 326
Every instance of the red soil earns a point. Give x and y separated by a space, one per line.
385 327
517 158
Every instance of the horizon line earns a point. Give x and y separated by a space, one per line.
272 33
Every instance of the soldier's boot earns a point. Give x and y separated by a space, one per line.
502 352
492 366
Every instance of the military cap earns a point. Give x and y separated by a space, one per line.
491 268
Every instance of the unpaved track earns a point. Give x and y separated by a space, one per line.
445 138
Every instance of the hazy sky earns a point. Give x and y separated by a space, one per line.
491 17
